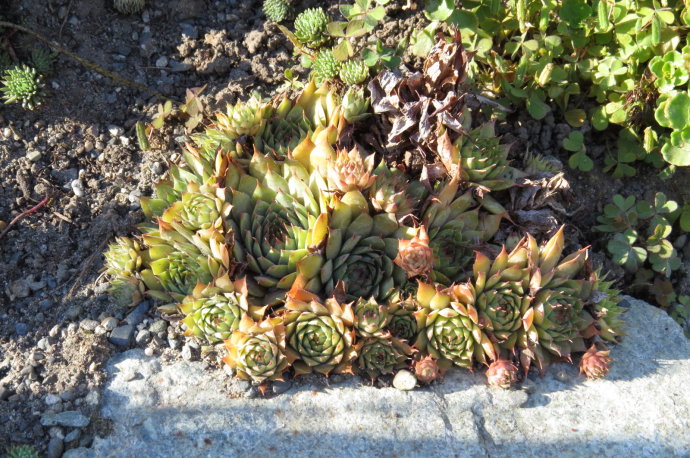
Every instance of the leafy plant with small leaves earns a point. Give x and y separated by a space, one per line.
641 233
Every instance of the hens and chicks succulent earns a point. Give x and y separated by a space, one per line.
299 254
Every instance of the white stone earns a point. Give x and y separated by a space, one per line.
404 380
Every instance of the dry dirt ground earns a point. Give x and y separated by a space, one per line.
79 149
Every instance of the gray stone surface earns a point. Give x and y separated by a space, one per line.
641 409
70 418
122 335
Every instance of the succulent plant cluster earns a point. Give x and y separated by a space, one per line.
298 254
24 85
129 6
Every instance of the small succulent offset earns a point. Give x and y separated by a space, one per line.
276 10
23 451
24 85
129 6
310 27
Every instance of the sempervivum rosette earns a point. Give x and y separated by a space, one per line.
449 330
370 317
457 225
556 317
256 350
402 323
214 311
276 220
499 291
381 355
359 252
319 335
123 257
177 259
294 121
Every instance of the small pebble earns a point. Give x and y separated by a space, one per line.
115 131
72 436
148 351
21 329
55 448
93 367
88 325
281 387
77 188
187 353
54 331
142 337
158 326
109 323
33 155
51 399
162 61
404 380
100 330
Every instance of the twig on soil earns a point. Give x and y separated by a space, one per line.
81 60
22 215
62 217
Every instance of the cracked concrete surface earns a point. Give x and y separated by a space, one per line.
641 409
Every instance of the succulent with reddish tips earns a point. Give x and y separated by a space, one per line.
256 350
370 317
415 255
427 370
349 172
402 323
319 335
214 311
595 363
449 330
502 373
381 355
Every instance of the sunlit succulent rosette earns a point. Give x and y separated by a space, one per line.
243 118
256 350
359 252
393 193
310 27
381 355
402 322
477 157
370 317
177 259
201 207
276 220
457 226
449 331
214 311
293 121
499 291
427 370
355 105
415 256
319 335
556 317
123 257
604 306
349 171
202 168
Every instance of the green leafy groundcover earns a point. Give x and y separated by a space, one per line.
296 253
